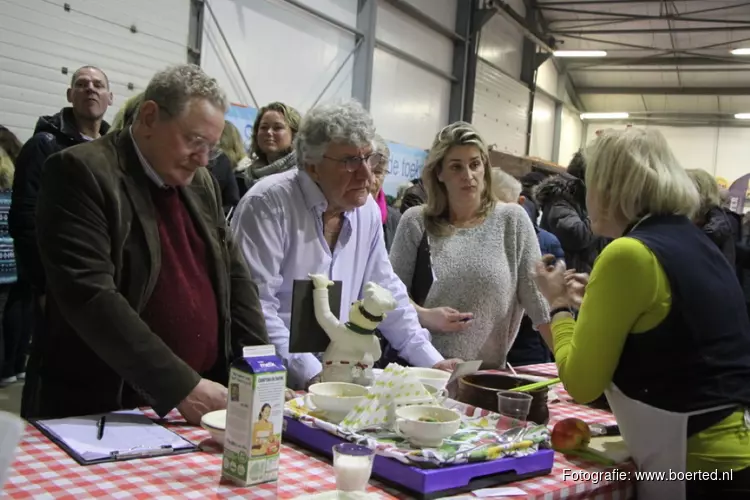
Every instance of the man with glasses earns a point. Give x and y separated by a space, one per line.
148 300
321 219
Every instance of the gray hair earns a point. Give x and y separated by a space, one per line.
381 147
174 87
507 188
344 122
77 73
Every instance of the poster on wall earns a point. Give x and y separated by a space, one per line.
243 118
405 164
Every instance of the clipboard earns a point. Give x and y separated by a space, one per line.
305 333
128 435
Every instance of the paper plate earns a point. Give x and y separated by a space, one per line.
215 420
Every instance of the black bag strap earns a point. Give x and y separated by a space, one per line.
422 280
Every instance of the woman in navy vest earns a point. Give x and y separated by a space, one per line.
662 329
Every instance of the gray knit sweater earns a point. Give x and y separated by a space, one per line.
486 270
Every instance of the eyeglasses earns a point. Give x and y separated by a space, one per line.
198 144
195 143
352 163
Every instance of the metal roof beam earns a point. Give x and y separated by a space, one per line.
644 31
606 2
608 16
665 90
658 59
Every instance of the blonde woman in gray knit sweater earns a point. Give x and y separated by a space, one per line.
483 252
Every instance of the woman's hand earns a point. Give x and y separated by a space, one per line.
444 319
576 284
550 278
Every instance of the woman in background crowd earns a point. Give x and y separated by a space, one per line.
12 341
233 147
562 200
389 215
481 253
9 143
125 116
529 347
273 135
710 217
662 327
222 168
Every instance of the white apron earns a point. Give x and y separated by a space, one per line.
657 441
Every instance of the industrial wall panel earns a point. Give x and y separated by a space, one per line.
546 78
409 104
542 127
501 44
39 37
694 147
442 11
399 30
570 136
285 54
501 107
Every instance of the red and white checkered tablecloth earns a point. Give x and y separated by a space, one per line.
42 470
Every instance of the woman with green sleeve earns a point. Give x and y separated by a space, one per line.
662 328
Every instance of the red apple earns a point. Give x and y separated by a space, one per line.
570 434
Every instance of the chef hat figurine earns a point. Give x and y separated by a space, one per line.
354 347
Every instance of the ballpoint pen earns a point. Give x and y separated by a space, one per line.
100 427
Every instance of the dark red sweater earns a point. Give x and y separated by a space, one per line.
182 309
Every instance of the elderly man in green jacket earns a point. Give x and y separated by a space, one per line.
148 300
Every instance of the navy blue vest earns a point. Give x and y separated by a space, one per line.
699 356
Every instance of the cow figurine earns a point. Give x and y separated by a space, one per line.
354 347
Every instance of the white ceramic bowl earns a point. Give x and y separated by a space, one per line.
432 377
215 423
336 399
427 426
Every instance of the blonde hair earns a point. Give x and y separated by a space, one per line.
436 210
634 173
506 187
6 170
708 189
231 143
127 113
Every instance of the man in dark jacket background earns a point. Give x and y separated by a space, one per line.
562 199
89 97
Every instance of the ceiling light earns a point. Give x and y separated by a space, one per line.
604 116
742 116
741 52
580 53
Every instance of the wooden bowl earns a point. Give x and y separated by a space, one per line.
480 390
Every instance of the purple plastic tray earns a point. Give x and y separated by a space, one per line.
429 482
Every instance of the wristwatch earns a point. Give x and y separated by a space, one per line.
566 309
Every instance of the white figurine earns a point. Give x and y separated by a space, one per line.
354 347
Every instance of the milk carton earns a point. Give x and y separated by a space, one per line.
255 415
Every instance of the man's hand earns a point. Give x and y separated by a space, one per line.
313 381
448 365
444 319
320 281
206 397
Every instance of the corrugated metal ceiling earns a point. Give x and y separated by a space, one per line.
663 56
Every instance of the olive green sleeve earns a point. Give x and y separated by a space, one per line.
625 286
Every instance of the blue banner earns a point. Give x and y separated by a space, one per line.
405 164
243 118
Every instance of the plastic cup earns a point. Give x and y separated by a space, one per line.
514 405
352 465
